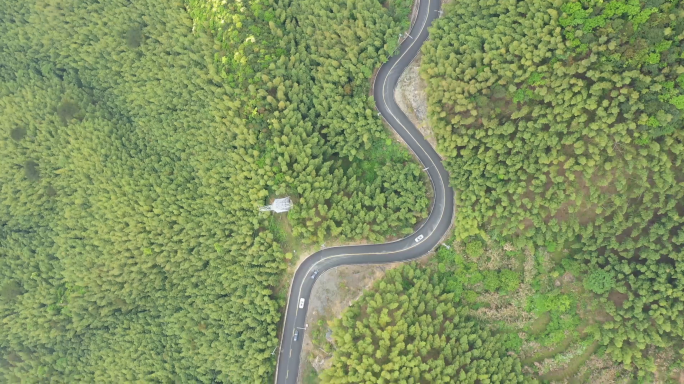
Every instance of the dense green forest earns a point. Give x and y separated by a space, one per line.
409 329
535 309
137 140
562 126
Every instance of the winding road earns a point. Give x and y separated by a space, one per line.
405 249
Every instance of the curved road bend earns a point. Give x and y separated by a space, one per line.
402 250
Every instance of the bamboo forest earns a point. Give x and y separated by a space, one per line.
561 123
464 352
139 138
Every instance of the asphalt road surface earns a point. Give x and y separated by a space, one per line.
405 249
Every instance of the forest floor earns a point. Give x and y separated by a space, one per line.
335 290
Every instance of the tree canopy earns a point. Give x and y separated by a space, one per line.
408 329
137 141
562 124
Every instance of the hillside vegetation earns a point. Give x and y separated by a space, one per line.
409 329
137 140
562 126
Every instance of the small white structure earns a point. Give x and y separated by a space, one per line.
278 206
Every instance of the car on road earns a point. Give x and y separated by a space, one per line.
296 334
301 302
314 274
419 238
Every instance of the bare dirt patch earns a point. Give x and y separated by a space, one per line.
411 96
617 298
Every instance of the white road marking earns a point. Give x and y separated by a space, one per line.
443 185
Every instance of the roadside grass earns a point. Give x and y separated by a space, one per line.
318 331
310 376
292 247
280 226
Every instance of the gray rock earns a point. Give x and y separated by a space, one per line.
568 278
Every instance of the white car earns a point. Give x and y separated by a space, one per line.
296 334
419 238
314 274
301 302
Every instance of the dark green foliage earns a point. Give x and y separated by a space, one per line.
31 170
67 110
585 149
599 281
18 134
394 334
400 11
134 37
10 290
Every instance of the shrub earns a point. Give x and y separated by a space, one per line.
509 280
554 302
474 276
599 281
469 296
455 286
551 246
491 280
678 102
474 249
572 266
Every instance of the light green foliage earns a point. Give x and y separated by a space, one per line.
653 58
678 102
510 280
469 297
135 151
563 316
591 157
408 330
491 281
554 302
599 281
573 266
474 248
460 275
